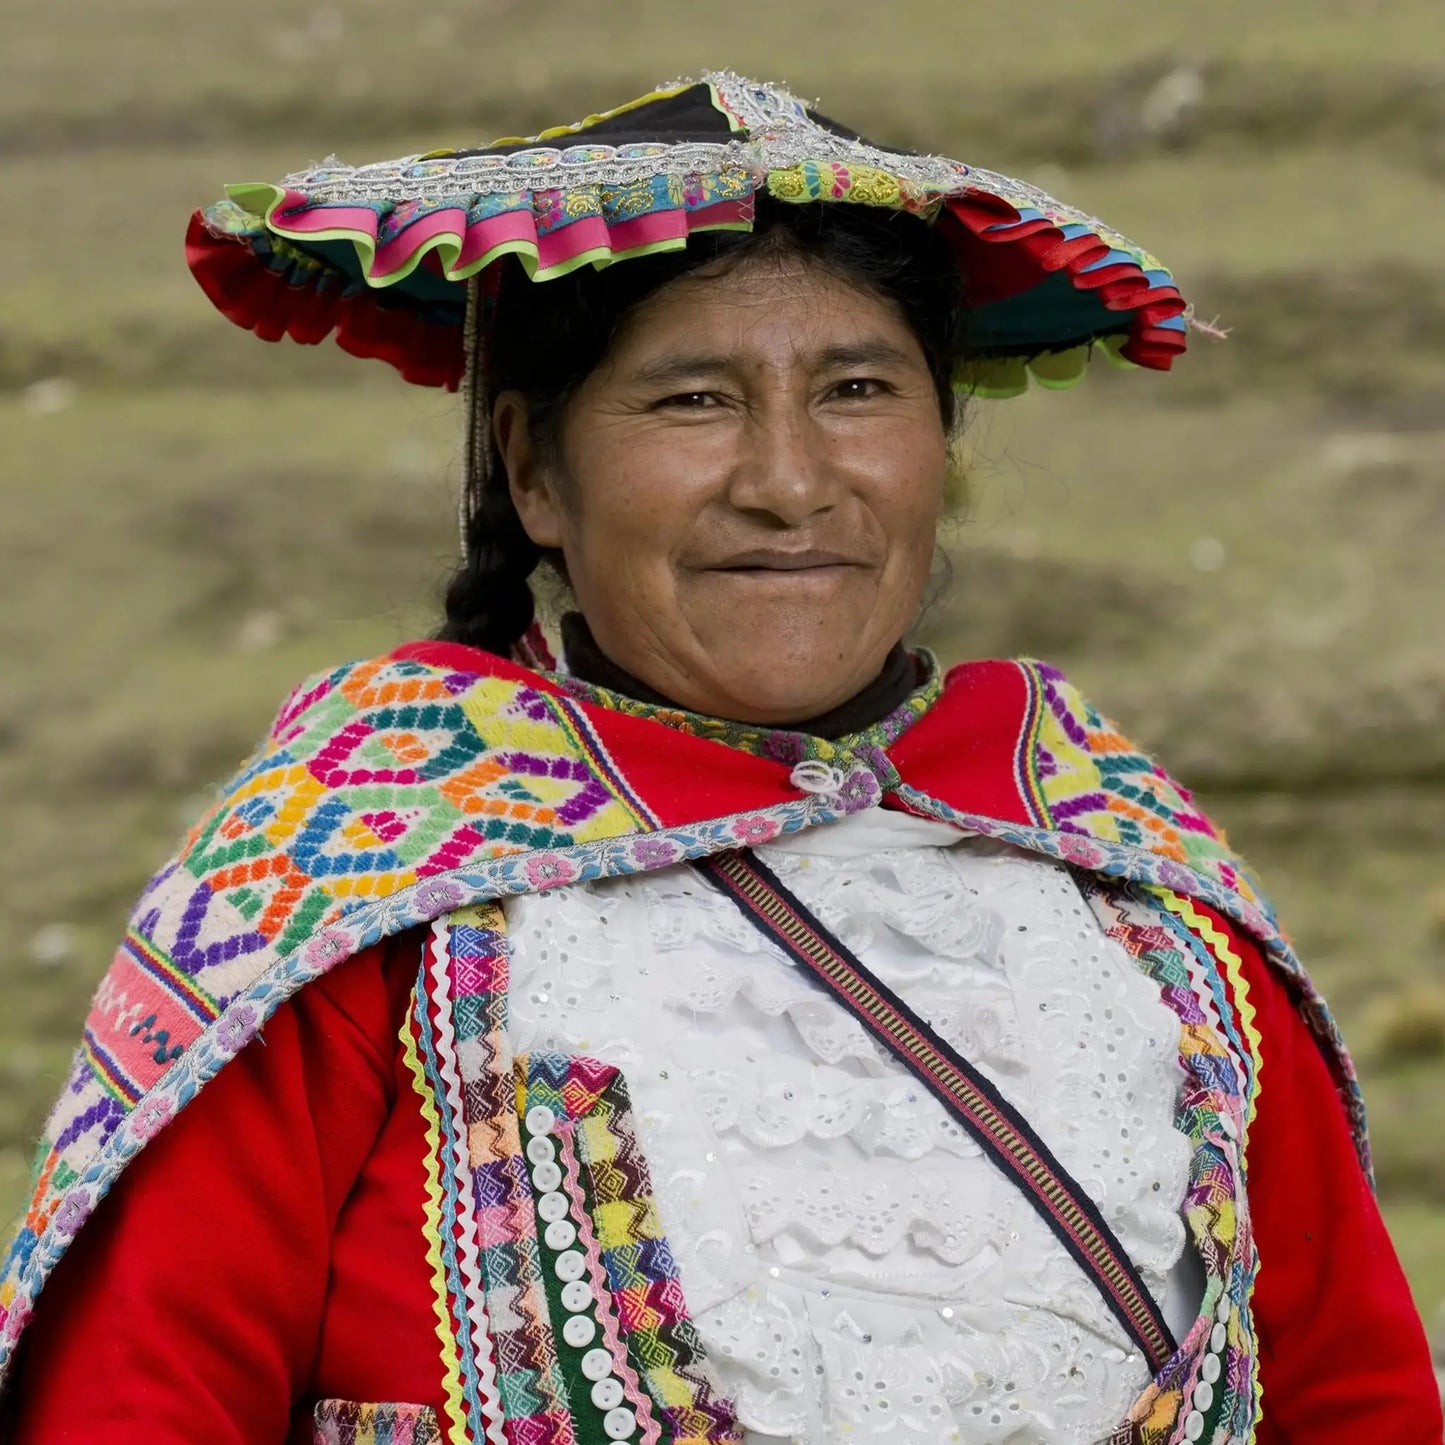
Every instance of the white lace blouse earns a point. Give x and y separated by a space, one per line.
857 1268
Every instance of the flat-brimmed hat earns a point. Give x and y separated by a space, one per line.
379 256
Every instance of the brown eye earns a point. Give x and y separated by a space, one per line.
690 401
858 388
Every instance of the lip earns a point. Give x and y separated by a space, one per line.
771 559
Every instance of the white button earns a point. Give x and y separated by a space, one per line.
1193 1425
597 1364
579 1330
1210 1369
812 776
552 1207
619 1424
607 1393
576 1295
546 1177
540 1119
540 1149
560 1234
1203 1395
1217 1338
1221 1312
570 1266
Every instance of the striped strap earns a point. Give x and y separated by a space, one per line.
964 1092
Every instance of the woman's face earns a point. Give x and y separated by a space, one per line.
747 491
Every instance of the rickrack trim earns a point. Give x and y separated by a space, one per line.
1233 967
432 1230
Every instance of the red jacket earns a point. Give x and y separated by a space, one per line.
275 1227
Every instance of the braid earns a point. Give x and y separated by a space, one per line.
489 601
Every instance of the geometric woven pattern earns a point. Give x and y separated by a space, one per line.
517 1378
638 1272
487 1369
343 1422
1081 775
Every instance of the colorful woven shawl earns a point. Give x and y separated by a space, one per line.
398 791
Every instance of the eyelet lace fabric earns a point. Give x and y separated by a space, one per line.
857 1267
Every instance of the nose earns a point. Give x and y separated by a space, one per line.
783 471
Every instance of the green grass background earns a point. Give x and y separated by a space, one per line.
1239 561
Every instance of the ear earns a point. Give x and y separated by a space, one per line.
532 485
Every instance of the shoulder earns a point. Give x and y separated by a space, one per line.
350 804
1078 773
376 781
344 746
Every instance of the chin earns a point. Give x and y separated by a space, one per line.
789 688
780 664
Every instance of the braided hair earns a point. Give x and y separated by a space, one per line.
544 340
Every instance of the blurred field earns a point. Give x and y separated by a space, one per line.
1241 561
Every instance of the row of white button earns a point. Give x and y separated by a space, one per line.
579 1329
1209 1372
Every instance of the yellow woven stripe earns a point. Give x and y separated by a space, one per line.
601 773
432 1231
480 915
1233 967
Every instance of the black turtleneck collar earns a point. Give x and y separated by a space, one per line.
882 696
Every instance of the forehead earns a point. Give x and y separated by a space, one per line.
786 306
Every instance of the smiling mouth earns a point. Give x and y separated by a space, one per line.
811 569
783 563
806 579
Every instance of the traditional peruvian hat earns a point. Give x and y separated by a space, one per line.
380 255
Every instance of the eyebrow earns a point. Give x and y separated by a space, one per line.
697 366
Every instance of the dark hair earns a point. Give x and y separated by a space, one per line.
544 339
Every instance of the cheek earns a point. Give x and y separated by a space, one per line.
907 476
635 499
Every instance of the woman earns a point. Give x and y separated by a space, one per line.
739 1031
